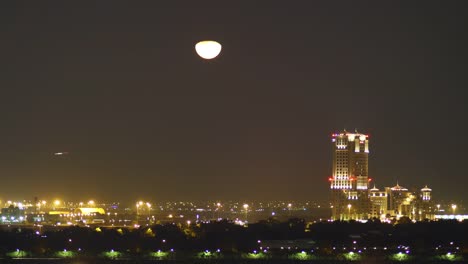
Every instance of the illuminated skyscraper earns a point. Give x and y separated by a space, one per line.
350 180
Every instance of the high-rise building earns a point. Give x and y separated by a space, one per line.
350 180
351 198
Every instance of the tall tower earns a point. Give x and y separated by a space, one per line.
350 180
426 209
426 194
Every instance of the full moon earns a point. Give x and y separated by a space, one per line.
208 49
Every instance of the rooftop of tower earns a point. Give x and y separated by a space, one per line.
351 135
426 189
397 187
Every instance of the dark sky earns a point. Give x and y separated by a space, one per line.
119 86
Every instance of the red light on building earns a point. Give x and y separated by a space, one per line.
369 179
330 179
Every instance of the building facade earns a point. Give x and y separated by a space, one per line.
378 200
350 180
351 198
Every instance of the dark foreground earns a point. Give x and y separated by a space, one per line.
221 242
128 261
249 258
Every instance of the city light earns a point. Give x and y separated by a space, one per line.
218 206
246 209
68 214
454 207
349 211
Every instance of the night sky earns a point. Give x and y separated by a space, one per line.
119 86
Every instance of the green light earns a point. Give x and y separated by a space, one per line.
450 257
352 256
400 257
302 256
159 254
112 254
255 255
65 254
17 254
208 254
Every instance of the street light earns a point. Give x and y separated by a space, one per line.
246 208
349 211
438 207
138 204
149 209
454 207
218 205
289 209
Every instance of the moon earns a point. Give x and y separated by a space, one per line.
208 49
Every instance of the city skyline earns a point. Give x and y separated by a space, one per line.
120 92
352 197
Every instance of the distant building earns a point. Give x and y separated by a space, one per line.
90 211
416 205
12 214
93 215
425 205
399 199
378 200
351 198
350 179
